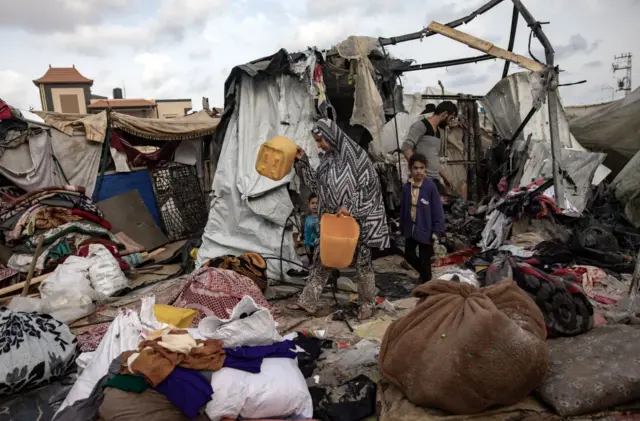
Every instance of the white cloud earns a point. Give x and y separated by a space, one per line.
187 48
18 91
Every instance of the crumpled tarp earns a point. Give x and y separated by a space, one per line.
368 107
580 165
248 212
508 103
94 126
626 187
180 128
613 128
33 165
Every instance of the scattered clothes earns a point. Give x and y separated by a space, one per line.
127 382
516 251
457 258
352 401
496 231
149 405
566 308
215 292
249 358
34 348
460 275
87 409
313 348
251 265
593 372
189 390
455 349
130 245
156 359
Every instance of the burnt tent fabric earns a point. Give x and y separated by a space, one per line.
180 200
566 308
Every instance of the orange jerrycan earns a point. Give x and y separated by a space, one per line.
338 239
276 157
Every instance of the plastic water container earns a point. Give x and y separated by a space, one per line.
338 240
276 157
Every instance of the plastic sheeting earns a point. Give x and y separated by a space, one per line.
248 212
580 165
32 165
626 188
509 102
613 128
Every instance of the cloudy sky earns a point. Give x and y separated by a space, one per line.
186 48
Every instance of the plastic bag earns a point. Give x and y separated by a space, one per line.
72 275
278 391
66 307
257 328
105 273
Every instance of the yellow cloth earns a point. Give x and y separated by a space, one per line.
415 193
175 316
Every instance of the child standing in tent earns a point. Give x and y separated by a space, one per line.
312 227
421 217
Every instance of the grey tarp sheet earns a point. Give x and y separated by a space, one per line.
613 128
511 99
248 212
626 187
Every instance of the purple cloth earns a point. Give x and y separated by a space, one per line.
249 358
187 389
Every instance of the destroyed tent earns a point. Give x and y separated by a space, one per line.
507 106
612 128
283 95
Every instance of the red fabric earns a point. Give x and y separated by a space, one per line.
5 112
140 159
458 258
547 204
91 217
215 292
83 251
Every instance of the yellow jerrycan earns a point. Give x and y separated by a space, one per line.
276 157
338 240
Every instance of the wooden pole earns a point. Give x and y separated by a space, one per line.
486 47
32 266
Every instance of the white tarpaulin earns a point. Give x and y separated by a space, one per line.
508 103
32 165
248 212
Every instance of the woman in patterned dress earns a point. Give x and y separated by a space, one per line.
346 183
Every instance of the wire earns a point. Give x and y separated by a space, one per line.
530 37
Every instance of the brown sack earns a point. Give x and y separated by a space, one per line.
463 349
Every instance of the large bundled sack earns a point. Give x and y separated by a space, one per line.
34 348
463 349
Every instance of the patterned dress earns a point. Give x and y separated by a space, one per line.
346 178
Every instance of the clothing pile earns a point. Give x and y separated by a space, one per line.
66 219
226 368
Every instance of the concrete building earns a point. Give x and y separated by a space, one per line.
64 90
172 108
